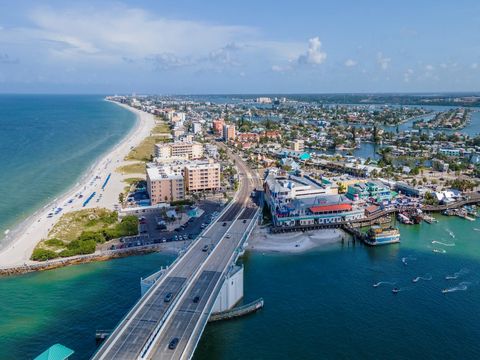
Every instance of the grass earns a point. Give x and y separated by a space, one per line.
135 168
71 225
133 180
79 232
146 149
161 128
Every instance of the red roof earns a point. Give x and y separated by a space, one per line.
337 207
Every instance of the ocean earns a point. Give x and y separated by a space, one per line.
46 143
320 304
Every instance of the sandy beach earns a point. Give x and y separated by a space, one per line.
24 237
297 242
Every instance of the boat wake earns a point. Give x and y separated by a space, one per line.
427 277
441 243
397 290
460 287
406 259
383 283
456 275
441 251
450 232
476 229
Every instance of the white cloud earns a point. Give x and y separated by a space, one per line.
314 54
474 66
382 61
350 63
429 67
407 75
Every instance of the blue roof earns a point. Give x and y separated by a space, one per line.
304 156
55 352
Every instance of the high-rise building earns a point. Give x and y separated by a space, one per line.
228 132
218 126
180 149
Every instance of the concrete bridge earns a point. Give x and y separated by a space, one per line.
178 301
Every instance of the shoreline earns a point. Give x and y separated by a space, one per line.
22 239
262 240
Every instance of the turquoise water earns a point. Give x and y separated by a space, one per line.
47 142
320 304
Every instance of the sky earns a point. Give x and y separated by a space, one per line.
234 47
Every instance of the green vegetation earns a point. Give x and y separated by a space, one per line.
133 180
135 168
79 232
146 149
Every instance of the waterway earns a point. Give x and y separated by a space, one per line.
320 304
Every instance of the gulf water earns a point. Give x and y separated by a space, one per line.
47 142
320 304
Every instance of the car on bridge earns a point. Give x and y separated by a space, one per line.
173 344
205 248
168 297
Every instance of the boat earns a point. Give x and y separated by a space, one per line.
378 235
404 219
395 290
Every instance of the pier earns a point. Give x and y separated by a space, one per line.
238 311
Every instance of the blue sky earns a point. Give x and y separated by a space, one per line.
198 47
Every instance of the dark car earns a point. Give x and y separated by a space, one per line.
168 297
196 299
244 221
205 248
224 224
173 343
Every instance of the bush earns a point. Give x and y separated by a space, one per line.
79 247
96 236
43 255
128 226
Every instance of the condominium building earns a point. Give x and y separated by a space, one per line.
218 126
165 184
180 149
228 132
202 176
373 190
298 145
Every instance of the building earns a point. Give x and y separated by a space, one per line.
298 145
296 201
165 184
264 100
181 149
202 176
212 151
218 126
248 137
229 132
369 190
196 128
405 189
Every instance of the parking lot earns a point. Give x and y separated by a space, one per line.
151 233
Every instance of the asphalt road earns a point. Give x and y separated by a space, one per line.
133 332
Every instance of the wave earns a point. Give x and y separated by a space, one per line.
476 229
456 275
397 290
427 277
441 243
460 287
441 251
384 282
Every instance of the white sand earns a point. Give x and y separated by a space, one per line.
296 242
22 240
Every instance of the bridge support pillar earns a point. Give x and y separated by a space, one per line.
232 290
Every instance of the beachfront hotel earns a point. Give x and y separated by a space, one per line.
170 180
301 200
202 176
165 184
189 150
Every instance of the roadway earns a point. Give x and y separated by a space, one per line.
196 272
